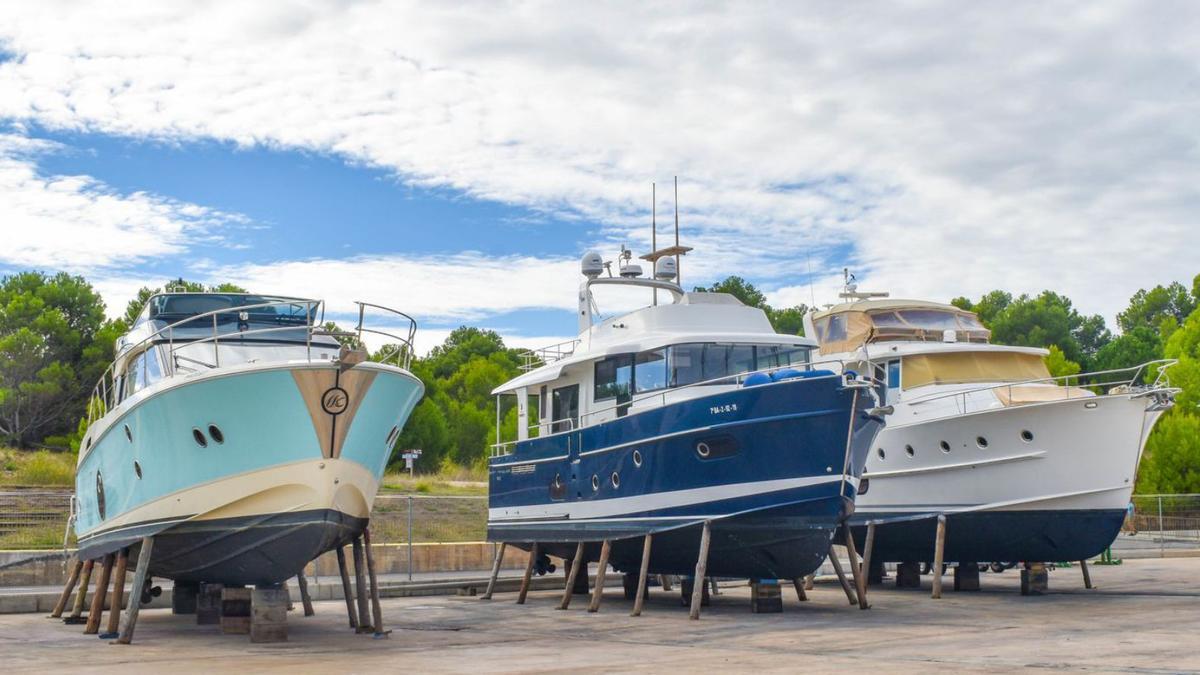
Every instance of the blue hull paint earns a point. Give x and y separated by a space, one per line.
265 424
996 536
793 431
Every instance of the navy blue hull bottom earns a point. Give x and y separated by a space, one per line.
245 550
995 536
759 545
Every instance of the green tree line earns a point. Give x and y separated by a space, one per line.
55 342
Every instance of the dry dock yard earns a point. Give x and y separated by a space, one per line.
1143 616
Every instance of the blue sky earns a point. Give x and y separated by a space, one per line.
456 161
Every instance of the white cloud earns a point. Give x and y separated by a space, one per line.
958 147
80 224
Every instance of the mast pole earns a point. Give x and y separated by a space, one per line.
653 233
678 270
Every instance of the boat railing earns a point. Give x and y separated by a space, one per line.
106 394
1077 386
535 358
574 423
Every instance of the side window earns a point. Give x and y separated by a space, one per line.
741 359
716 362
542 403
134 374
565 405
650 371
686 364
836 329
893 374
613 377
153 371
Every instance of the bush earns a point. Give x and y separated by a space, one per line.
46 468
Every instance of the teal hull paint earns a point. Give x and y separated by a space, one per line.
265 423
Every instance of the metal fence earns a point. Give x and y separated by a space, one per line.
37 519
1160 524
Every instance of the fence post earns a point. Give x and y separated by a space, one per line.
1161 532
410 542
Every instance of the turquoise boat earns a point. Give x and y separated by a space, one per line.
241 434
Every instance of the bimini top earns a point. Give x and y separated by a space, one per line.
848 326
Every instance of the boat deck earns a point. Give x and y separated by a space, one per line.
1141 617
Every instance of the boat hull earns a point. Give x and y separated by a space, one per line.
780 475
1051 481
287 480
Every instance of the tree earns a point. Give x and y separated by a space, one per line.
47 357
789 320
1042 321
1172 460
1058 364
1149 308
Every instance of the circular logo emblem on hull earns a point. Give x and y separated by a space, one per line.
335 400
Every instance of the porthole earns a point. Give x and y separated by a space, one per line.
215 432
981 442
198 436
702 449
137 469
945 446
881 453
616 480
908 450
1027 436
100 495
595 483
637 458
128 433
88 445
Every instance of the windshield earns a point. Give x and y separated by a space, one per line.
171 308
926 319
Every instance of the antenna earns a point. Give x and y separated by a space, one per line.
678 273
811 291
850 288
654 227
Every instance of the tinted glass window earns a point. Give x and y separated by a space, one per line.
686 364
893 374
776 356
741 360
650 371
613 377
565 406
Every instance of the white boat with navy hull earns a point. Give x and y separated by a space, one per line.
1025 466
240 435
689 411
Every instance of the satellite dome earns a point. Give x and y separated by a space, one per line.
665 269
631 271
591 265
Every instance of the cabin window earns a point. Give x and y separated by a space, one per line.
613 377
542 403
565 407
650 371
835 328
686 364
893 374
134 373
153 370
776 356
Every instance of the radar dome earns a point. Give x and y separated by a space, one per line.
665 269
591 265
631 271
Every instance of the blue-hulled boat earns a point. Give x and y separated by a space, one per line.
240 434
676 414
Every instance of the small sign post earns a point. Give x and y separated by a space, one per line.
410 456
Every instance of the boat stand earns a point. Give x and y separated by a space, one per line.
140 577
84 579
487 595
346 592
360 586
376 608
569 588
601 575
528 578
701 569
65 597
305 599
841 575
798 584
860 582
939 549
640 598
99 596
1087 578
112 631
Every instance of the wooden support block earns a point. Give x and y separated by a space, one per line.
642 590
360 587
65 597
687 587
376 608
525 580
346 592
572 575
908 575
140 577
939 549
1087 578
235 610
487 595
305 599
966 577
84 579
841 575
208 604
268 613
184 597
665 581
701 569
1035 580
113 630
99 596
765 596
601 575
860 581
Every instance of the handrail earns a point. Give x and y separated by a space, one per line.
105 395
548 354
725 380
1161 381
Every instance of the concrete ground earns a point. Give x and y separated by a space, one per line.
1143 616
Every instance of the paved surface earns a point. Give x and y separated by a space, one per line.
1142 617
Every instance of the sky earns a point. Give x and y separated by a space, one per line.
454 160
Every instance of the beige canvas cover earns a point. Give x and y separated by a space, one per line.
961 367
843 331
1021 394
